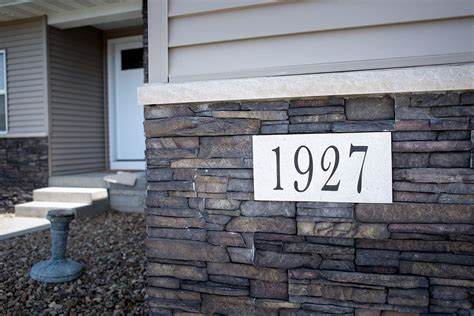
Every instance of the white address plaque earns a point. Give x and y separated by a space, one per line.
354 167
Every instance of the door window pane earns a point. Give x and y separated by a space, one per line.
132 58
3 121
2 71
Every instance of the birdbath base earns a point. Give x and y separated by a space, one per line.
56 271
58 268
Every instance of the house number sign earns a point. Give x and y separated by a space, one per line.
354 167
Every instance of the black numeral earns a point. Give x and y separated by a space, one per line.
308 170
331 187
362 149
277 154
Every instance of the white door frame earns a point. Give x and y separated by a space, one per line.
114 163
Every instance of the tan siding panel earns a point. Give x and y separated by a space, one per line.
360 48
307 16
77 103
26 75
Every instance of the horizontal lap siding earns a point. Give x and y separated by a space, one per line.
24 42
314 36
77 102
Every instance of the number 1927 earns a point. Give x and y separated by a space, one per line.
325 165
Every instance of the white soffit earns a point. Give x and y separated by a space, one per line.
398 80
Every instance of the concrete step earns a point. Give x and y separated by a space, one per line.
40 209
70 195
18 226
127 200
83 180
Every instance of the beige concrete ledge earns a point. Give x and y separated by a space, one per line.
398 80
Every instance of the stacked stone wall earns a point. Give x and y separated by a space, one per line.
213 250
23 168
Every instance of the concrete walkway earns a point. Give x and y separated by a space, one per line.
18 226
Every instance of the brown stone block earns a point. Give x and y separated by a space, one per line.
321 118
165 282
262 224
412 125
263 289
211 184
343 230
176 271
247 271
431 146
318 249
215 288
327 101
411 297
172 143
432 99
169 294
285 260
185 250
437 270
225 239
258 208
436 229
175 222
259 115
212 163
168 233
226 147
275 304
417 245
368 279
414 213
370 108
200 126
233 306
416 197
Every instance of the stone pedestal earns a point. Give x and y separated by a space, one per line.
58 268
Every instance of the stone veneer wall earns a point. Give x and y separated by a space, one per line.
213 250
23 168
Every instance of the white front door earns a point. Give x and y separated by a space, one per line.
127 137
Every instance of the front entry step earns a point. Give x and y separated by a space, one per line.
70 195
84 201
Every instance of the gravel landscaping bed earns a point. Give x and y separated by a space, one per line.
110 248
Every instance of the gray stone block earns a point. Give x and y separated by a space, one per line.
369 108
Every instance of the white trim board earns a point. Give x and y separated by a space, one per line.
396 80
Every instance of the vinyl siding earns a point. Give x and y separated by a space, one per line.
77 100
27 97
231 39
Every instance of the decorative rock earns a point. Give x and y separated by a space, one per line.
343 230
215 288
429 100
274 129
229 280
449 124
412 297
416 245
177 271
265 105
174 222
188 234
240 185
200 126
436 229
362 109
225 239
398 281
310 128
247 271
437 270
412 113
341 265
321 118
317 249
169 283
362 126
449 293
412 125
438 257
414 213
257 208
212 163
233 306
384 258
410 160
226 147
172 143
451 111
211 184
162 111
454 135
259 115
431 146
326 101
171 186
315 110
450 160
263 289
407 136
161 174
185 250
286 260
241 255
262 224
219 106
330 212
